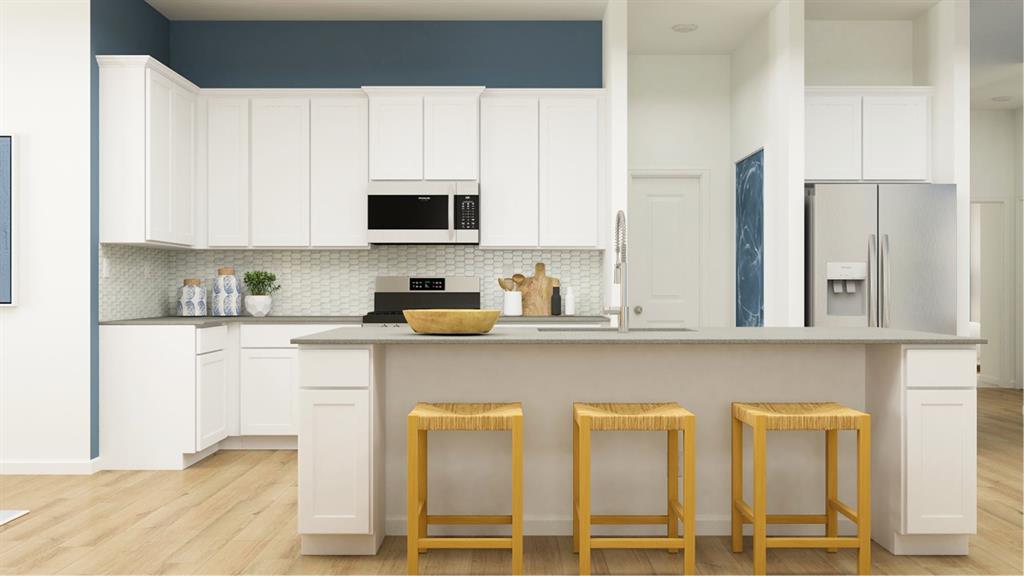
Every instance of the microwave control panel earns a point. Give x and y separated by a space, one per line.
467 212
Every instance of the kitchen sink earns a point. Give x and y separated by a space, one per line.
609 329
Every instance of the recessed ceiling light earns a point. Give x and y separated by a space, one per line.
685 28
1001 99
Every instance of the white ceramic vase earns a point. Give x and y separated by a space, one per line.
258 305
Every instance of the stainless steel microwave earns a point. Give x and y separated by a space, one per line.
423 212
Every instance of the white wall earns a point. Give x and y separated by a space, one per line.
768 112
615 54
859 53
1019 243
679 116
44 341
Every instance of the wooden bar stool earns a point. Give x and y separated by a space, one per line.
468 417
669 417
831 418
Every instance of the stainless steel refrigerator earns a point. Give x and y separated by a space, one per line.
881 255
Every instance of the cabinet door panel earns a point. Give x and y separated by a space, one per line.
897 137
159 210
396 138
227 172
280 172
568 172
269 386
182 164
211 399
941 464
509 181
833 129
334 462
451 137
338 171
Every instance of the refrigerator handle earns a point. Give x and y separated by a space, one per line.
872 290
886 283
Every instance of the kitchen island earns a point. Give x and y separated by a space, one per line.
357 386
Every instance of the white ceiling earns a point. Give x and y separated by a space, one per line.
723 24
997 53
381 9
866 9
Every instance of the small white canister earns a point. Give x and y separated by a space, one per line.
227 294
192 298
513 305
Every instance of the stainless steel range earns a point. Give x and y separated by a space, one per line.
393 294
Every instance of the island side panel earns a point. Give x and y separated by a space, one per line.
470 473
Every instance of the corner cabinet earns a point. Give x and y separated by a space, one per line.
871 133
147 133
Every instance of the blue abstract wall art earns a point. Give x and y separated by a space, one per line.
750 240
6 223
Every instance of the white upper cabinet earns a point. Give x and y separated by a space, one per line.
509 179
868 134
569 182
338 171
897 137
147 152
280 172
833 127
227 172
396 137
451 136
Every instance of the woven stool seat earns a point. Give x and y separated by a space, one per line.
466 416
632 416
799 415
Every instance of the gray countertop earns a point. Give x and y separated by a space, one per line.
568 335
208 321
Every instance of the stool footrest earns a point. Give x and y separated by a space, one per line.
459 542
748 516
813 542
468 519
638 542
628 519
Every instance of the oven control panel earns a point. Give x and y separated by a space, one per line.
426 284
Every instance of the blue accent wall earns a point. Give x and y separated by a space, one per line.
505 54
750 240
117 27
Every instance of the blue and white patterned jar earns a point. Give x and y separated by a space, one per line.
192 298
227 294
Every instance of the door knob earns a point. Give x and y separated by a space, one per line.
638 310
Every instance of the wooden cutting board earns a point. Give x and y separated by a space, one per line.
537 291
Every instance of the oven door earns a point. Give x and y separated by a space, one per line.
411 218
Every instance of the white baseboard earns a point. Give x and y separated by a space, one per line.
259 443
707 525
49 467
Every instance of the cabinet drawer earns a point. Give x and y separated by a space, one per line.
333 368
211 339
280 335
942 368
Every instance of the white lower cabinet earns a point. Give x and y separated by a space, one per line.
941 461
268 390
211 399
334 462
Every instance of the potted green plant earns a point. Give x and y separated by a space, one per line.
261 285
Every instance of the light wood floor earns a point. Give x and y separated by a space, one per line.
235 513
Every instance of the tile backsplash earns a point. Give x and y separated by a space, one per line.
141 281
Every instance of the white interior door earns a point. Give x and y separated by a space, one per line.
991 292
663 256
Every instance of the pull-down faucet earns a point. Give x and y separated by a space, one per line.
620 269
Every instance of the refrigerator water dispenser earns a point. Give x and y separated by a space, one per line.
847 288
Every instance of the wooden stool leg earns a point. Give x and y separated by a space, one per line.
584 496
760 500
673 485
575 486
412 490
517 496
831 483
864 496
422 477
737 484
690 499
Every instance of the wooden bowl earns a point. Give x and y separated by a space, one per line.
451 321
